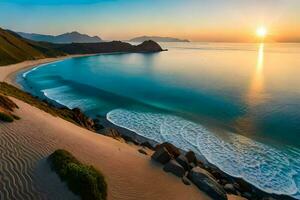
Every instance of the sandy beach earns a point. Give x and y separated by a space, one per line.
25 145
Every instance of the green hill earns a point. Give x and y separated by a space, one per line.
14 49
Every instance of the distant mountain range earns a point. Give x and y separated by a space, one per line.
157 39
14 48
73 37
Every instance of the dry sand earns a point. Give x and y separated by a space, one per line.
25 145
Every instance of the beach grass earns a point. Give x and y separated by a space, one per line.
6 117
81 179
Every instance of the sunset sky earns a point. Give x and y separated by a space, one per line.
196 20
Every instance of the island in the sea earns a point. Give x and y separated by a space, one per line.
157 39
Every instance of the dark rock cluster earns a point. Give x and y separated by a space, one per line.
206 177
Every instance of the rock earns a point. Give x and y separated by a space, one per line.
186 181
175 168
174 151
111 132
130 139
80 118
229 188
161 155
142 151
147 144
149 46
247 195
182 160
191 157
206 183
192 165
243 185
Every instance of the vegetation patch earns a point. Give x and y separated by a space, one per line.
75 116
83 180
6 117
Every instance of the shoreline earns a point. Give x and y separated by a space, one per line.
8 72
10 77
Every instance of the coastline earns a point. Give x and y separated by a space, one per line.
8 72
9 76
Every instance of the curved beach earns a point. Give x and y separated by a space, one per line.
25 144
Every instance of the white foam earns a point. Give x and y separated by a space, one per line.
270 169
64 95
24 75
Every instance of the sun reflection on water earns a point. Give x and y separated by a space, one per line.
255 95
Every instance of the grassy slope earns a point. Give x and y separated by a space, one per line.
64 113
14 49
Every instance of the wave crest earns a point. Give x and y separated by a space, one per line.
268 168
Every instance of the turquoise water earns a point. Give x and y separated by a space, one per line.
236 104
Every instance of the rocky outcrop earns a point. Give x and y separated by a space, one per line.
175 168
205 182
142 151
183 161
161 155
191 157
174 151
148 46
80 118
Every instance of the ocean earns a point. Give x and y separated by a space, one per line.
236 104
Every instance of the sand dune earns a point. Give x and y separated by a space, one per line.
25 144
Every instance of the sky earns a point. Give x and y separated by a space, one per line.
196 20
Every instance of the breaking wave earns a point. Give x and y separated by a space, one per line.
268 168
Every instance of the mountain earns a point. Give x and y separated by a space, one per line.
107 47
73 37
14 49
157 39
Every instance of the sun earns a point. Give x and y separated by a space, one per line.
261 32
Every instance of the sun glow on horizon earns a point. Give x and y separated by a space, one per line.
261 32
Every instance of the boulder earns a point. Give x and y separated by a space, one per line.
175 168
161 155
142 151
174 151
147 144
182 160
191 157
80 118
111 132
206 183
229 188
186 181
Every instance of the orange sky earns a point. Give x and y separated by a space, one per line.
196 20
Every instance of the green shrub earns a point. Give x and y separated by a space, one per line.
83 180
16 117
5 117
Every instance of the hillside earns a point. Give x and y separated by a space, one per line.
73 37
106 47
157 39
14 49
